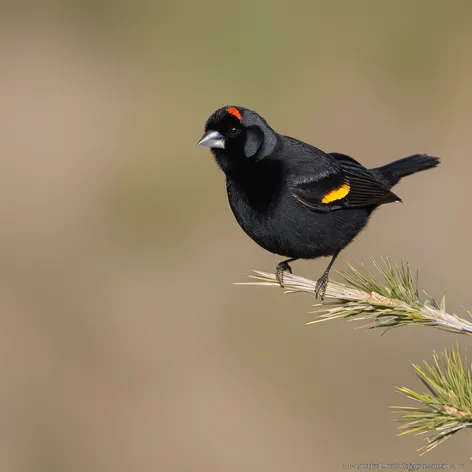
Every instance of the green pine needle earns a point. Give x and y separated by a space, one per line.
447 406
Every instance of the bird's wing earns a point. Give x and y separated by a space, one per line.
344 184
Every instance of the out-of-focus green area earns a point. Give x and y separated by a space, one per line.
124 343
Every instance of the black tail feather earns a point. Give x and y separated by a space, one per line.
390 174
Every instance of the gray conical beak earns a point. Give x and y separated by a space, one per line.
212 139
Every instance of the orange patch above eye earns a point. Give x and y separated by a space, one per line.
235 112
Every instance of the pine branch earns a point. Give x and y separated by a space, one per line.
389 302
447 406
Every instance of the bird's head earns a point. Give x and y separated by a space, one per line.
237 137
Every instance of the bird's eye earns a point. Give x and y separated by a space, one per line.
233 131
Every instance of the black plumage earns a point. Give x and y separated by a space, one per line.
292 198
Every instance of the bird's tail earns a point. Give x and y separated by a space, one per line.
390 174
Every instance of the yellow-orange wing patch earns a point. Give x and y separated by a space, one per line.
235 112
336 194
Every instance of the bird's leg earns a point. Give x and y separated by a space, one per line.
322 282
281 268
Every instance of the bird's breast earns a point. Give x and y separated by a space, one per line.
276 223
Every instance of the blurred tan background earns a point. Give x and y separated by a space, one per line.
124 344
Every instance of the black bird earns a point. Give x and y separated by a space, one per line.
292 198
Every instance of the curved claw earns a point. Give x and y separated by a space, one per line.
321 286
279 272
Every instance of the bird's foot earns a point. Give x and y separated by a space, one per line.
321 285
279 272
